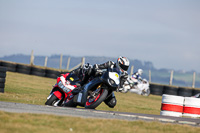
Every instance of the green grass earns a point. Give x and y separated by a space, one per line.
30 89
35 123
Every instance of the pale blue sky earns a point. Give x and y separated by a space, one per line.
165 32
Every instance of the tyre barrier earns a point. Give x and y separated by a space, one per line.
156 89
25 69
191 107
171 90
172 105
185 92
52 73
2 78
28 69
38 71
9 65
195 91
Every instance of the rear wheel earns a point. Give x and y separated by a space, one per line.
52 100
96 97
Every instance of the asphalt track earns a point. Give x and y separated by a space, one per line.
90 113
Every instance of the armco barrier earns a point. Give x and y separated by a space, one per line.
155 89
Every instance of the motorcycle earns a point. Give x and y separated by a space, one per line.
99 89
141 88
57 95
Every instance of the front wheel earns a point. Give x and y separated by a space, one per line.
96 97
52 100
147 93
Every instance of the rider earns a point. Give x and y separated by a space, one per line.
122 64
84 73
75 79
137 76
87 72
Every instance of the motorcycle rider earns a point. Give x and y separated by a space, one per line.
137 76
75 79
122 64
87 72
84 73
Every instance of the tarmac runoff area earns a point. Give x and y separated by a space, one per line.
91 113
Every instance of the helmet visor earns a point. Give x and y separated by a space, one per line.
123 67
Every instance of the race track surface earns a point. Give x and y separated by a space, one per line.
90 113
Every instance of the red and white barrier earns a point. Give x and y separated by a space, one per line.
179 106
172 105
191 107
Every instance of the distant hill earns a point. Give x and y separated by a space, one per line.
157 75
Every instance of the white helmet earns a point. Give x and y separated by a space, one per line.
123 63
140 71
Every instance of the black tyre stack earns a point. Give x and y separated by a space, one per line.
170 90
25 69
2 78
185 91
52 73
195 91
9 65
156 89
38 71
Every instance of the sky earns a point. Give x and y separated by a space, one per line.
164 32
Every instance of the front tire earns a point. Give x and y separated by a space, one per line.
52 100
98 100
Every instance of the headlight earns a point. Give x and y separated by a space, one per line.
65 89
60 84
112 82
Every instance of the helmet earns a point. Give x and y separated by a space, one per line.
123 63
82 71
86 69
140 71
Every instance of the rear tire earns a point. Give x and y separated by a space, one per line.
100 98
53 99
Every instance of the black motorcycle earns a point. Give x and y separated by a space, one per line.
96 91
